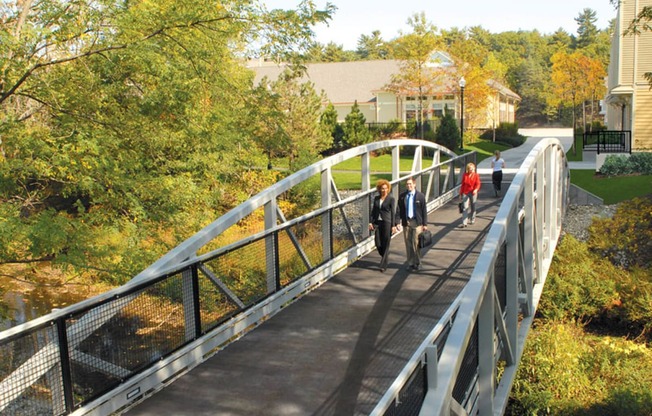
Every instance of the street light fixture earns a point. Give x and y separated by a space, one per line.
462 85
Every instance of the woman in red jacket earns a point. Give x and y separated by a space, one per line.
469 193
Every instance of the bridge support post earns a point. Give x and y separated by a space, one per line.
486 351
366 185
417 165
326 180
529 241
542 217
512 307
396 172
270 246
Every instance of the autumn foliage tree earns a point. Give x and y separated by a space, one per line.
416 79
575 78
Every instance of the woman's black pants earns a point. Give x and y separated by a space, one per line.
382 237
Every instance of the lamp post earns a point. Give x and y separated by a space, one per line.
462 85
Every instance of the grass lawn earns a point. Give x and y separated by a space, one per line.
352 180
484 148
382 163
577 157
612 189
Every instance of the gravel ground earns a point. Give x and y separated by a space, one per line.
578 218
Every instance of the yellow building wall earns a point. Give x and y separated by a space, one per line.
642 134
627 50
368 111
388 107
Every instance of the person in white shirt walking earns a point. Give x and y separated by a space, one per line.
497 166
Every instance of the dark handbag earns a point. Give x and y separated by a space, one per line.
460 207
425 238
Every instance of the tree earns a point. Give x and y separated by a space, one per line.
329 123
372 47
472 62
447 132
575 78
122 125
355 129
587 31
415 79
336 53
532 81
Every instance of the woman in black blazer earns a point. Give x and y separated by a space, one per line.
383 221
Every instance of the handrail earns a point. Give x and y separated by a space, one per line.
487 324
540 189
190 246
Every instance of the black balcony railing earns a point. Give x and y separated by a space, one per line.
608 141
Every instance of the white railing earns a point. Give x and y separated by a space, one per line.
473 370
528 225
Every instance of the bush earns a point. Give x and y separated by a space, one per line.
625 239
579 285
566 371
640 163
447 133
506 133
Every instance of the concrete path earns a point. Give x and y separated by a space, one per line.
514 157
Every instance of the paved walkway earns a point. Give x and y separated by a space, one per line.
514 157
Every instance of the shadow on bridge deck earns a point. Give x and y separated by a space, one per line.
337 350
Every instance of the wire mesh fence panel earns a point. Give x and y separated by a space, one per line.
125 336
348 227
500 276
214 306
468 371
243 271
300 249
31 375
411 396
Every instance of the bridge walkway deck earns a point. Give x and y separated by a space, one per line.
337 349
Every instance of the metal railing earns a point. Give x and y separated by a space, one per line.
608 141
103 354
491 317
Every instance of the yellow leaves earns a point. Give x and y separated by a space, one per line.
576 76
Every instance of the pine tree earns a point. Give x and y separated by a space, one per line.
355 128
447 131
328 121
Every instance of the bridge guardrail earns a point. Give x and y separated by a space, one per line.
492 315
104 353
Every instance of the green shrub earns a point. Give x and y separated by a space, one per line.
551 378
448 133
616 165
506 133
625 239
640 163
579 285
567 371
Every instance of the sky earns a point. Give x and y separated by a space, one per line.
361 17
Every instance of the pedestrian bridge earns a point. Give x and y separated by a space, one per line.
296 318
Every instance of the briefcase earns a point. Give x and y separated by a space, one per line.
460 207
425 238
